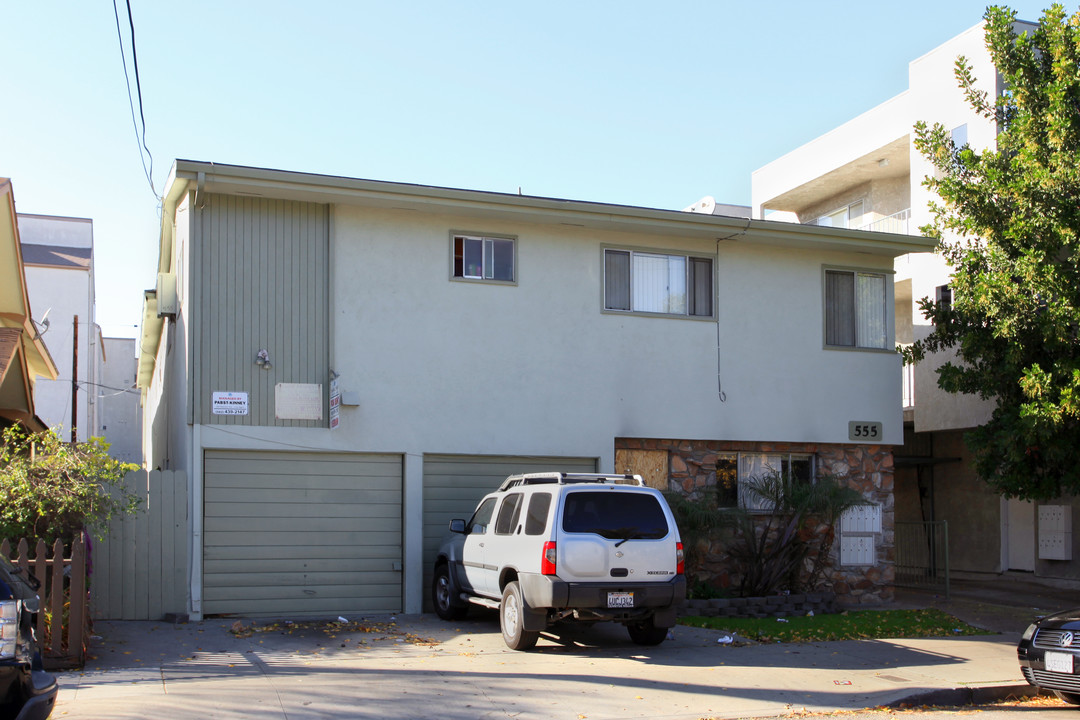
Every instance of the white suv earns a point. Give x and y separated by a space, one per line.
558 546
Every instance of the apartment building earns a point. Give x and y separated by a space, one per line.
867 174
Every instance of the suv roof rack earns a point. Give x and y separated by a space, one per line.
562 478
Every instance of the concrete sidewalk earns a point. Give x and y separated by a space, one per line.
421 667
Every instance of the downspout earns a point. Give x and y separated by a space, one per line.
196 463
719 382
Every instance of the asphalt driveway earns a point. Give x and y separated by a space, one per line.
422 667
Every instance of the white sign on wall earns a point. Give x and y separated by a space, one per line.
298 401
230 403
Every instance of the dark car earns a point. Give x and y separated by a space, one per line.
27 692
1048 654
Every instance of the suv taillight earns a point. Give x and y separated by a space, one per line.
547 562
9 628
680 559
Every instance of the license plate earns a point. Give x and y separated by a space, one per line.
620 599
1058 662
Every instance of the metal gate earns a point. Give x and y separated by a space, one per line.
922 555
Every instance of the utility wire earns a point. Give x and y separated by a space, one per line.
140 138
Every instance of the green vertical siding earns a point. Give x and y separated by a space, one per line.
264 283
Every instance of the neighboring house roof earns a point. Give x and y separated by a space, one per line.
23 355
56 256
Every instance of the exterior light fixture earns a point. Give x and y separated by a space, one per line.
262 359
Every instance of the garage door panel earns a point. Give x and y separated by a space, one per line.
343 495
311 539
345 592
381 575
264 481
361 513
276 552
301 534
348 607
303 565
244 461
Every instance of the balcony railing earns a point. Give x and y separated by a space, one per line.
896 223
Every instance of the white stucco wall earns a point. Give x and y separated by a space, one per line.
65 292
537 368
118 400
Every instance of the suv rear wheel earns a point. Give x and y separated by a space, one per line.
512 619
442 595
646 632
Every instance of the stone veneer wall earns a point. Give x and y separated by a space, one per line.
867 468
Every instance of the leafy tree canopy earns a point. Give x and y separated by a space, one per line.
51 489
1010 222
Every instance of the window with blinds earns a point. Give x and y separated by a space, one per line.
658 283
855 309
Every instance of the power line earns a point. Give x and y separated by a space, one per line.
140 138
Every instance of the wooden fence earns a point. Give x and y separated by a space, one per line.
63 620
140 569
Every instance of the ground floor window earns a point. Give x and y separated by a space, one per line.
735 470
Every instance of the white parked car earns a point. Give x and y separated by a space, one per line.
548 547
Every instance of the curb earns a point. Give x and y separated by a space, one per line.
970 695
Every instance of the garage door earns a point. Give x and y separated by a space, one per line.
453 484
295 534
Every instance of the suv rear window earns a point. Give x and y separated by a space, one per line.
615 516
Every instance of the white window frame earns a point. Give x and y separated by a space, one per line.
745 471
686 306
863 337
487 265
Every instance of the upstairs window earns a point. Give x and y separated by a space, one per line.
483 258
849 216
855 309
658 283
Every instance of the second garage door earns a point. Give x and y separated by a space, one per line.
453 484
295 533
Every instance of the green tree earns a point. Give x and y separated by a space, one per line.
53 489
1010 221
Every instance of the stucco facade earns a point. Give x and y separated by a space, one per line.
58 253
437 370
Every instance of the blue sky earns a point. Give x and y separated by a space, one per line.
637 103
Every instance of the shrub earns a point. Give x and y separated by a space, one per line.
54 490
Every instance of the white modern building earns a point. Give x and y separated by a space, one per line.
867 174
340 366
58 253
119 410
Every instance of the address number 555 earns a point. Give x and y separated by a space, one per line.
862 430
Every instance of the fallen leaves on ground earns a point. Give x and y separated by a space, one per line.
331 629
